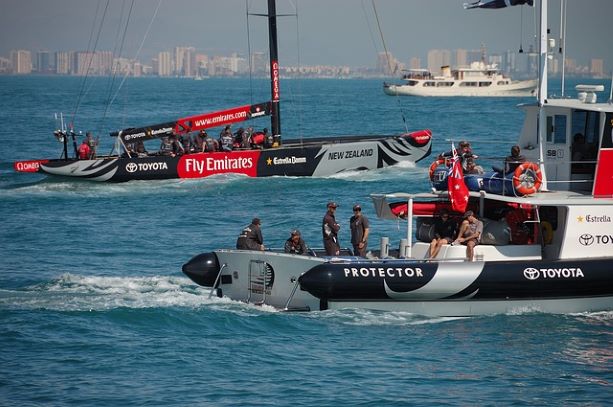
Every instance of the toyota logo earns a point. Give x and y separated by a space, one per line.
586 239
531 273
131 167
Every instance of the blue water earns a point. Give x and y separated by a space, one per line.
95 311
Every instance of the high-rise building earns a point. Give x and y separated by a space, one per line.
438 58
415 63
185 61
45 63
22 61
62 64
387 64
164 64
461 58
597 67
258 63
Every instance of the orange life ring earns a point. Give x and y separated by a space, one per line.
433 167
527 178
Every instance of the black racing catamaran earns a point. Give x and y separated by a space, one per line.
320 156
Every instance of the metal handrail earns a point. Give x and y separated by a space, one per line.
217 280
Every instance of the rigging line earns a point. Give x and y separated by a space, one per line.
142 43
387 57
299 98
372 35
90 59
113 76
116 67
249 54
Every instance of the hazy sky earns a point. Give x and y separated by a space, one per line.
327 32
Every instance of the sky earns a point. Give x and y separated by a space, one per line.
326 32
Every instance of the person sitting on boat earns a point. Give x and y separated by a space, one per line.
464 151
198 141
329 230
186 143
514 160
470 233
444 230
84 150
258 138
295 244
92 143
139 148
251 237
238 137
166 147
472 168
177 147
226 140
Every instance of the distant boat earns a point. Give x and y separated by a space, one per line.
477 80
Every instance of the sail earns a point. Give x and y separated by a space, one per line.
497 3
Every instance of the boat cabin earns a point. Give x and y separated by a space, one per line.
578 145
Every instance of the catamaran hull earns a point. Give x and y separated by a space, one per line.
312 158
451 288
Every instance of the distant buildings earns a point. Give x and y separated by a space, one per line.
185 61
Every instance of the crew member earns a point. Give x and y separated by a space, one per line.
514 160
329 229
470 233
84 150
359 226
444 230
295 244
251 237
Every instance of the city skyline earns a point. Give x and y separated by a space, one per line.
410 29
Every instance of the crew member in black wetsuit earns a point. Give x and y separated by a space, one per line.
329 230
251 237
295 244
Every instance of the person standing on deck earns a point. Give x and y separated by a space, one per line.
329 230
359 226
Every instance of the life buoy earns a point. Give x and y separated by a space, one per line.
547 232
520 232
434 166
527 178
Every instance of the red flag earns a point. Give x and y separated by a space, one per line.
458 192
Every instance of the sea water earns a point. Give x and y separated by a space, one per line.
94 309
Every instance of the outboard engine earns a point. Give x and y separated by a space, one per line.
202 269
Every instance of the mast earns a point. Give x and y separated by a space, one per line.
275 115
542 91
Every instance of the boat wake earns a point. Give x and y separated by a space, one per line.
72 292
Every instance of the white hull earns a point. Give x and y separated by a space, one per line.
463 308
516 89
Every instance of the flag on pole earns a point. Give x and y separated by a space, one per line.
497 3
458 192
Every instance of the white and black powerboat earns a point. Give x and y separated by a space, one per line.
546 244
315 156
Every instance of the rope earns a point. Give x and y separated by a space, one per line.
249 54
140 46
81 93
387 57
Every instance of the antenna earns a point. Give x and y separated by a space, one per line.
610 101
521 30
